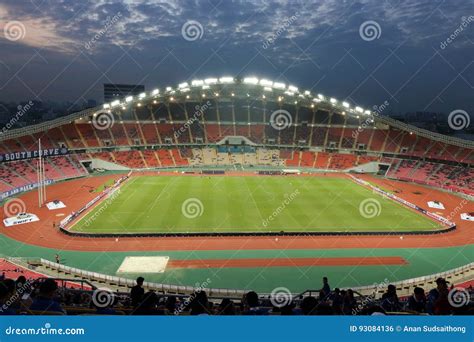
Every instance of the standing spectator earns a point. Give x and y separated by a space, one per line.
390 302
326 289
417 302
58 259
137 292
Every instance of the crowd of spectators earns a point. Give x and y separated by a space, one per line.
44 296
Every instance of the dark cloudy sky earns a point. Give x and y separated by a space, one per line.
65 50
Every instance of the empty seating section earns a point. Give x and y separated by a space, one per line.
347 138
422 144
69 166
88 134
28 143
181 132
408 142
423 171
342 161
131 159
179 161
334 137
226 130
107 156
150 133
405 168
378 139
453 177
318 136
242 130
363 137
151 159
257 133
322 160
165 158
72 136
19 173
118 134
302 135
295 161
134 133
212 132
366 159
307 159
393 141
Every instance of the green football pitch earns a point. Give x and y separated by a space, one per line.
190 204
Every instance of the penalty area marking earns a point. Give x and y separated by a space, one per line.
143 264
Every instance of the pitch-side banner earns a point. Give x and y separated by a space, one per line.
47 152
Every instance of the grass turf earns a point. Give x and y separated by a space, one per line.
171 204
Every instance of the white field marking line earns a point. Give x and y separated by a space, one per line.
89 211
154 202
253 199
431 220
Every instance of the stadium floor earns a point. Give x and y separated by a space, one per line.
423 254
224 204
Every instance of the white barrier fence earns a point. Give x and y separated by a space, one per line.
232 293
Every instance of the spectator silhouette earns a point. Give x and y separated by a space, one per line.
137 292
148 305
390 300
226 308
200 304
417 302
308 306
46 301
251 305
6 291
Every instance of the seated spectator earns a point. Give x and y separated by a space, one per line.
308 306
348 302
337 301
324 309
417 302
226 308
45 301
251 305
288 310
170 304
434 302
373 310
200 304
148 306
390 300
137 292
6 292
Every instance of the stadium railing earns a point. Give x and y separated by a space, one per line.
458 275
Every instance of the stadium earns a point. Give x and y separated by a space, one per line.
237 184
